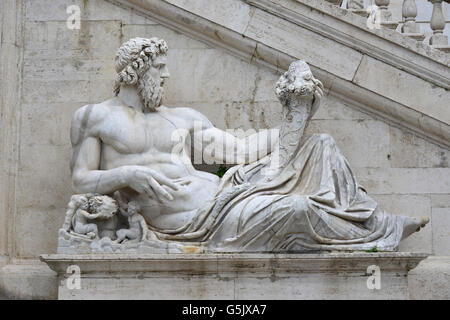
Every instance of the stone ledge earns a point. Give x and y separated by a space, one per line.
214 263
234 276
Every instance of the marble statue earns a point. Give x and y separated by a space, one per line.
89 216
291 194
137 227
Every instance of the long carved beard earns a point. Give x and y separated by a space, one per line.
150 93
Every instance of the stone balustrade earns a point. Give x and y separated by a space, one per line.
385 14
437 24
357 6
410 28
408 24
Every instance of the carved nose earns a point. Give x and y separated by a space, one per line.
303 90
165 72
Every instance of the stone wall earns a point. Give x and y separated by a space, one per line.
63 69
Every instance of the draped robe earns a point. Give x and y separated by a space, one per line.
313 204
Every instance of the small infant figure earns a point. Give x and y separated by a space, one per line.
137 230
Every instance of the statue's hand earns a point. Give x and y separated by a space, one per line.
318 95
147 180
93 215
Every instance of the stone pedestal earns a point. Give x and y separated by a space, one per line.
234 276
430 280
27 279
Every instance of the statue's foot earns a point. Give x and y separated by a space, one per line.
413 225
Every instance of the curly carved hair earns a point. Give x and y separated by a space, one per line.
105 205
292 81
134 58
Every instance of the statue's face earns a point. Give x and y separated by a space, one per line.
152 82
298 80
132 209
159 71
301 79
84 205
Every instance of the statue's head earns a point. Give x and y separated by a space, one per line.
297 81
84 203
80 201
133 208
105 205
142 62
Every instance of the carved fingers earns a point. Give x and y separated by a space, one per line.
158 189
151 182
318 92
164 180
318 87
318 95
149 191
318 83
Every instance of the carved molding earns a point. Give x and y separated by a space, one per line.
384 45
243 262
192 276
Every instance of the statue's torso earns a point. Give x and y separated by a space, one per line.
134 138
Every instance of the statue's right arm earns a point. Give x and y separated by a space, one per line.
88 215
85 164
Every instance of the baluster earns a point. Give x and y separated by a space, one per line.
410 28
385 14
357 6
438 40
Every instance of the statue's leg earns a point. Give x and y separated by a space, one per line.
121 235
133 234
107 228
92 227
329 146
85 228
297 206
265 223
92 231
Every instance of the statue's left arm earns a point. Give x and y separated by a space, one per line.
219 146
226 148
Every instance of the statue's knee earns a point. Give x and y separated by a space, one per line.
83 229
325 138
299 205
121 233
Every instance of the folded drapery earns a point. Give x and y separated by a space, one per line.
314 203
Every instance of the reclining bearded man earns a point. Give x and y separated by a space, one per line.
310 201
